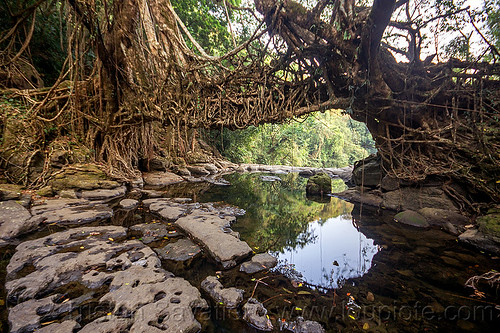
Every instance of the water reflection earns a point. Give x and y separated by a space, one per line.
316 243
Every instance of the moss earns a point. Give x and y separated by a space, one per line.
82 176
319 184
489 224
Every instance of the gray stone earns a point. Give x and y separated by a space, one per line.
15 220
10 191
182 250
153 193
166 208
477 239
213 231
105 194
229 297
157 178
184 172
418 198
300 325
68 326
367 172
76 215
68 194
354 195
259 262
128 203
210 168
412 218
151 232
197 170
256 315
441 217
107 324
389 183
306 173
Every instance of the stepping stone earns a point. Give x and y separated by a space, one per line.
256 315
182 250
229 297
258 263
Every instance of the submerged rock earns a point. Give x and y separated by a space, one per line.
150 232
182 250
258 263
256 315
229 297
412 218
300 325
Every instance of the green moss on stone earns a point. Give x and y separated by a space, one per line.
83 177
320 183
489 224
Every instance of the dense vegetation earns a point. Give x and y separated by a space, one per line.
328 139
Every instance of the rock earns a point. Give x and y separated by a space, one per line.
68 326
306 173
367 172
68 194
489 224
137 183
166 208
389 183
15 220
105 195
59 159
198 170
82 177
300 325
412 218
481 241
258 263
182 250
212 230
418 198
140 291
270 178
45 191
370 297
10 191
319 184
151 232
210 168
107 324
160 179
154 164
184 172
442 217
70 211
354 195
229 297
256 315
129 203
153 193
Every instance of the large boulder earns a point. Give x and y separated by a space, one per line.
161 179
82 177
319 184
15 220
367 172
414 198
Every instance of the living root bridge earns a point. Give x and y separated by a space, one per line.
428 119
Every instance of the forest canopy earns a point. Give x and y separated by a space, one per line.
128 80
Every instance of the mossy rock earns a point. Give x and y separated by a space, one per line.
489 224
82 177
319 184
10 191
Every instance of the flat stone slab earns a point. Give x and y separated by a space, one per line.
256 315
212 230
258 263
229 297
151 232
15 220
104 194
182 250
71 211
158 178
129 203
167 208
136 289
